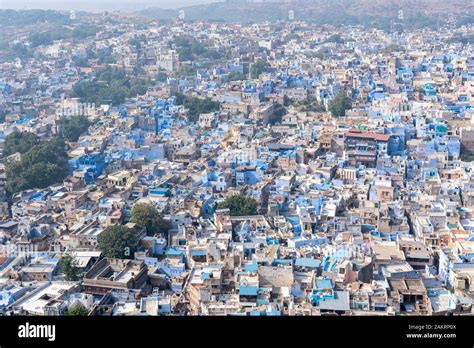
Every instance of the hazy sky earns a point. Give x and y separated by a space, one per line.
97 5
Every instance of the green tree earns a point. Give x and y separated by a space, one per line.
212 54
311 104
291 36
81 62
71 128
85 30
239 205
466 155
277 115
118 242
68 265
110 85
147 216
161 76
197 106
287 101
38 39
138 86
189 48
184 54
185 71
392 48
3 114
22 18
79 310
136 42
236 76
335 38
340 104
19 142
179 98
43 165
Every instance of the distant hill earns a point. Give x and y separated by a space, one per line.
378 13
96 5
29 17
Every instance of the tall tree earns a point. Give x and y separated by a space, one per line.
197 106
44 164
71 128
258 68
239 205
68 265
146 215
79 310
19 142
340 104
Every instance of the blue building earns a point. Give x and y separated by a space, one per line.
91 164
429 90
